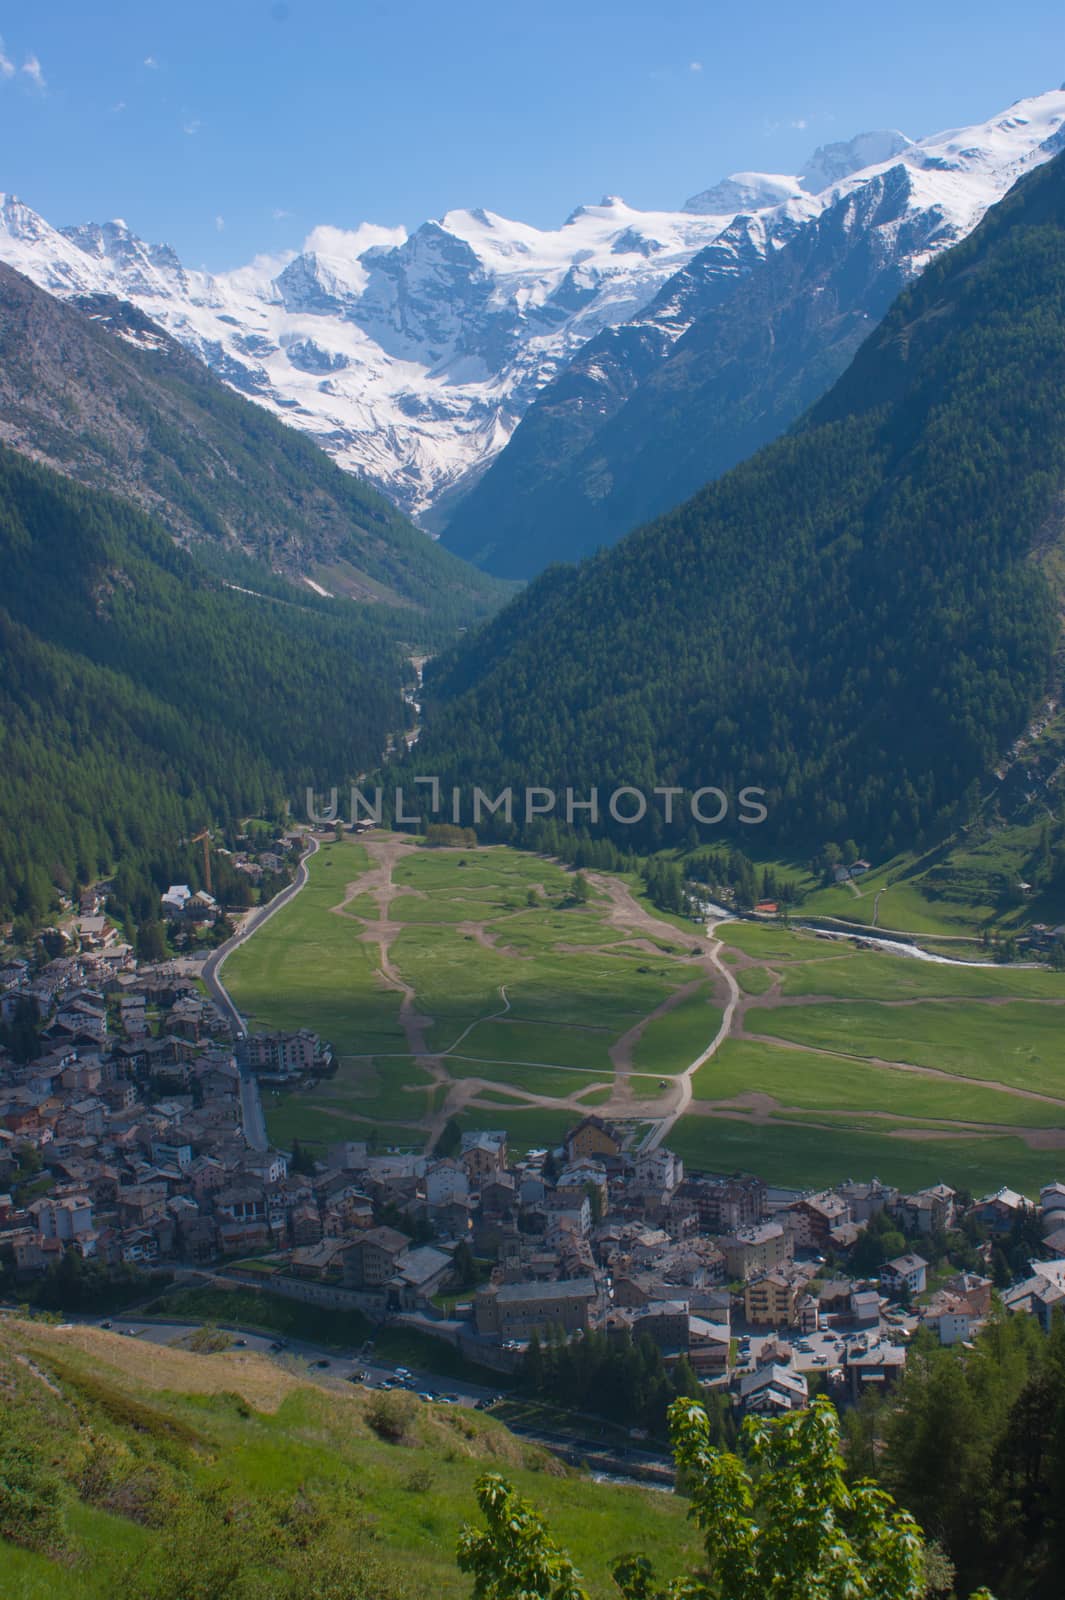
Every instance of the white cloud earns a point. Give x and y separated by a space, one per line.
695 66
193 126
7 66
32 68
220 223
799 123
150 61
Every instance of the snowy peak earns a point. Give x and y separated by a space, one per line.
744 191
830 163
146 268
1002 144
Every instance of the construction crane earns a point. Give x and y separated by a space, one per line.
205 836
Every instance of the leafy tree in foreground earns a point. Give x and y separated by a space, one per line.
781 1523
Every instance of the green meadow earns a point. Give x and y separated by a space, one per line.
1021 1043
839 1060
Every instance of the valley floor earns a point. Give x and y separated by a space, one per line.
471 983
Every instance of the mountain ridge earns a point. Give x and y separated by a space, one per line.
859 619
732 351
95 390
412 357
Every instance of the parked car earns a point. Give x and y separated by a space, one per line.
322 1363
240 1344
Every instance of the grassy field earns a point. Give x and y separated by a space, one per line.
154 1455
809 1091
1019 1044
308 965
805 1081
866 976
540 1043
511 982
792 1155
389 1092
671 1041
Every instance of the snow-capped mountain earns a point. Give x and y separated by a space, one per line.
412 358
741 340
409 358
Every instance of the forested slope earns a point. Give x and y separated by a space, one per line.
858 619
592 459
140 696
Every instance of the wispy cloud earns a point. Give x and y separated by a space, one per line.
192 126
220 223
695 66
279 213
798 124
32 68
119 106
150 61
7 66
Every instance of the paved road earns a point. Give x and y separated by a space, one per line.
327 1367
252 1116
157 1330
212 967
251 1105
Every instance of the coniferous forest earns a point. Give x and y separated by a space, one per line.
859 619
140 697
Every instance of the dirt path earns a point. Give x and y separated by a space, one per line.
626 912
385 851
488 941
744 1109
621 1051
904 1066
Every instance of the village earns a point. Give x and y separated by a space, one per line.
124 1144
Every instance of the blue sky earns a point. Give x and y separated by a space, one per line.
234 127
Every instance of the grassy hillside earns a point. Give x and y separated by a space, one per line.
161 1474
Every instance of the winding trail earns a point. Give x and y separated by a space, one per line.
656 1134
627 912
